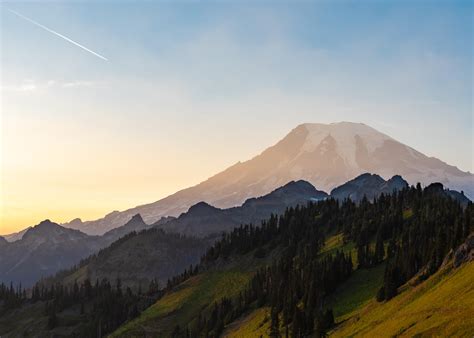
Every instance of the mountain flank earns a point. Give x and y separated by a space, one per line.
302 273
393 286
48 247
325 155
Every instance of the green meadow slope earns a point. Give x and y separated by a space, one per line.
182 305
441 306
360 288
194 296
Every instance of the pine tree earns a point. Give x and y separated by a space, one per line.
52 320
379 248
275 324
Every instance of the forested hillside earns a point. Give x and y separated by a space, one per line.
293 275
380 244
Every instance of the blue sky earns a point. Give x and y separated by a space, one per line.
191 88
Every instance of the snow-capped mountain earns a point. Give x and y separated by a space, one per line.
48 247
326 155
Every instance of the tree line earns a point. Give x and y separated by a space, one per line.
409 231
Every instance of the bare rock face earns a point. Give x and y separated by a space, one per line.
465 252
448 259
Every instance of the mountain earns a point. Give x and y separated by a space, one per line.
286 280
459 196
292 193
203 219
141 257
16 236
48 247
136 223
161 251
325 155
322 268
438 189
369 185
43 250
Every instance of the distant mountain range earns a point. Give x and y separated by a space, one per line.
325 155
160 250
43 250
203 219
137 258
369 185
16 236
49 247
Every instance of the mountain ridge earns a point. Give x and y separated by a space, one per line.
203 219
49 247
326 155
203 224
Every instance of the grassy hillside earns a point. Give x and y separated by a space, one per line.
359 289
32 321
313 288
181 306
441 306
335 243
308 286
255 324
195 295
14 323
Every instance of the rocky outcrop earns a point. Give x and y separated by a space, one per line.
368 185
465 252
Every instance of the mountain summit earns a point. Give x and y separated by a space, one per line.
325 155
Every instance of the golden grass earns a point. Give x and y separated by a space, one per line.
255 324
408 213
333 242
163 307
80 275
182 305
442 306
360 288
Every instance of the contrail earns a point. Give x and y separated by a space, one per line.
58 34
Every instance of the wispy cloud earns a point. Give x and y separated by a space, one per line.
30 85
58 34
25 86
75 84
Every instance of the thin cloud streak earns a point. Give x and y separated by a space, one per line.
80 84
30 85
58 34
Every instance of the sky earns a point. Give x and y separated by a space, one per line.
190 88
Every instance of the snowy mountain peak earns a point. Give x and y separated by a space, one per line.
343 138
325 155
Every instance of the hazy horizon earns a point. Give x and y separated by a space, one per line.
184 94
